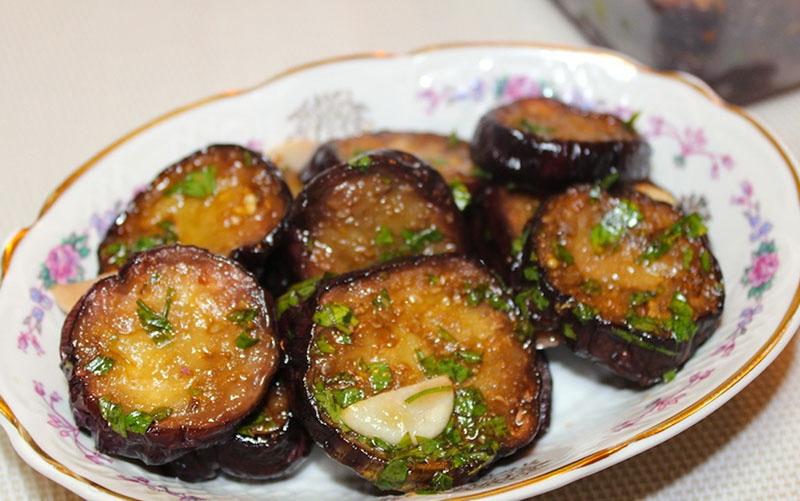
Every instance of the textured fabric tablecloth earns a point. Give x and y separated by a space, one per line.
76 75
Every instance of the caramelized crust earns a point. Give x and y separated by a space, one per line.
226 199
352 217
447 154
180 334
411 318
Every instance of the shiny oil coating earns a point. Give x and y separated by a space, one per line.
516 208
200 374
447 155
360 221
429 313
552 119
248 202
618 272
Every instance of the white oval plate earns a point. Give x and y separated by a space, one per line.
716 158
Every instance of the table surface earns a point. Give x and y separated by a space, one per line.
77 75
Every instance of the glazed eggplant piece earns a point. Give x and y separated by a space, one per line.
543 143
170 355
632 280
271 444
499 218
447 154
382 205
415 373
225 198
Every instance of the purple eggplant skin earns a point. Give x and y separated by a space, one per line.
513 155
271 456
268 458
392 166
641 357
339 446
160 444
448 154
252 256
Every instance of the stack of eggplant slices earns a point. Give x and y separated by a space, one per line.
393 308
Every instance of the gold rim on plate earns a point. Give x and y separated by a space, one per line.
701 88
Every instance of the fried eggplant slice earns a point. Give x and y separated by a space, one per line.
414 374
225 198
271 444
170 355
542 142
499 218
447 154
632 280
382 205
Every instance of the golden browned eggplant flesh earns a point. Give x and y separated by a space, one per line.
632 280
416 374
224 198
170 355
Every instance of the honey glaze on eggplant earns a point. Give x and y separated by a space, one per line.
225 198
542 142
170 355
441 324
447 154
633 280
383 205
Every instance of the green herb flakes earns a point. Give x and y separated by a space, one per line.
243 317
470 402
562 254
100 365
393 475
382 300
569 332
361 163
432 366
584 312
296 294
614 224
690 226
339 317
669 375
641 297
196 184
156 324
461 194
383 237
417 241
245 340
324 346
681 323
536 129
347 396
260 425
380 375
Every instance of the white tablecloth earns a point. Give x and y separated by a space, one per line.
75 75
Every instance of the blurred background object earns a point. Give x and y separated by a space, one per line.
745 49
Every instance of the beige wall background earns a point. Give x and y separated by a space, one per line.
75 75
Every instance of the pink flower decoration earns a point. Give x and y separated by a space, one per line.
62 263
763 269
38 388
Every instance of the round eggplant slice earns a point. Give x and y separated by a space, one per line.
499 219
170 355
269 445
545 143
631 279
225 198
383 205
447 154
413 373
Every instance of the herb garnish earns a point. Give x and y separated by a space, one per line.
260 425
361 163
245 340
118 253
135 421
604 184
562 254
339 317
444 366
346 397
584 312
100 365
461 194
296 294
156 324
383 236
393 475
453 140
197 184
631 121
519 241
245 319
380 375
613 225
681 323
416 241
690 226
641 297
382 299
535 129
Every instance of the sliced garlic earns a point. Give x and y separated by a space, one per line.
419 410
